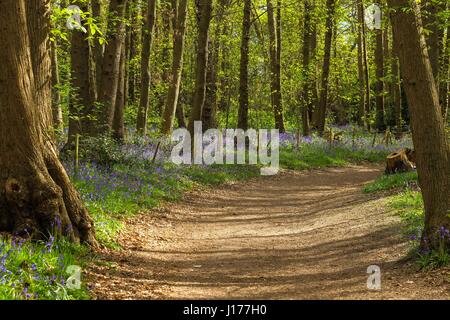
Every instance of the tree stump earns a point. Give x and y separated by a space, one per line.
400 161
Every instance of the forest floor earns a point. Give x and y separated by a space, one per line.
298 235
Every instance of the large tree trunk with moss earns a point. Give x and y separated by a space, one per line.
147 41
430 141
171 107
36 194
204 8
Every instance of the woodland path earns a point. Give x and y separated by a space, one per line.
297 235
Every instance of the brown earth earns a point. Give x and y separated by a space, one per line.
298 235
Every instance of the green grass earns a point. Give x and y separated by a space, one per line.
310 156
391 181
409 205
32 271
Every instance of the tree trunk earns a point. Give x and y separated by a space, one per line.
314 112
36 193
274 70
430 141
331 6
444 86
365 61
362 94
118 123
147 41
97 48
280 122
177 68
429 12
135 31
111 65
243 76
397 94
81 104
379 85
210 108
204 8
58 123
307 94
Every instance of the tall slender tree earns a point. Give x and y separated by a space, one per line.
204 11
243 77
307 94
379 84
180 14
105 107
274 69
147 41
331 7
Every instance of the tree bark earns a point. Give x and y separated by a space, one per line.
274 69
361 77
177 69
204 8
379 85
430 141
429 10
147 43
331 6
118 123
97 48
397 94
444 86
210 108
58 123
36 193
307 94
110 69
81 104
243 75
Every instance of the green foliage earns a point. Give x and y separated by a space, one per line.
310 156
392 181
409 205
31 271
103 150
433 260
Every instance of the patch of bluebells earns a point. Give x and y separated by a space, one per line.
353 141
31 271
96 183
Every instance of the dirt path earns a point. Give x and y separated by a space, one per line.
299 235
